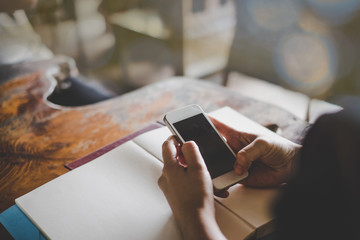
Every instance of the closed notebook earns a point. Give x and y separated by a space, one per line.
116 195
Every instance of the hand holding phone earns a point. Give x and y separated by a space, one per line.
191 124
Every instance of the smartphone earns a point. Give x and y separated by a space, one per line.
191 123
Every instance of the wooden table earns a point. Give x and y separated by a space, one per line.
38 138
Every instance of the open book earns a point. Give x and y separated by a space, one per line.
116 196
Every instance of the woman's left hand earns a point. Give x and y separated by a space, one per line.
188 188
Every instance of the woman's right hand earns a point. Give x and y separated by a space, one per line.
268 161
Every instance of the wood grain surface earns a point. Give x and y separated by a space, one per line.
37 138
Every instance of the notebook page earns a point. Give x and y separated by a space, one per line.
113 197
152 141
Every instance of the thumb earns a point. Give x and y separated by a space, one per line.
192 156
250 153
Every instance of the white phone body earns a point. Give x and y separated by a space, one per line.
187 124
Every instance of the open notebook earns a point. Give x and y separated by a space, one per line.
116 196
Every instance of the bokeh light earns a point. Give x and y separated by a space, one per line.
306 62
273 15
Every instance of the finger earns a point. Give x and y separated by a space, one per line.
169 152
192 156
250 153
232 136
262 175
180 157
223 129
222 193
236 139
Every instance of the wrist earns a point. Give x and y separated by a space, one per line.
201 225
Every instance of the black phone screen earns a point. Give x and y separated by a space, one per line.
217 156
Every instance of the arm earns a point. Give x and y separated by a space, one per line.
187 186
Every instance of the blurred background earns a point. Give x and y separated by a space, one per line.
309 46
